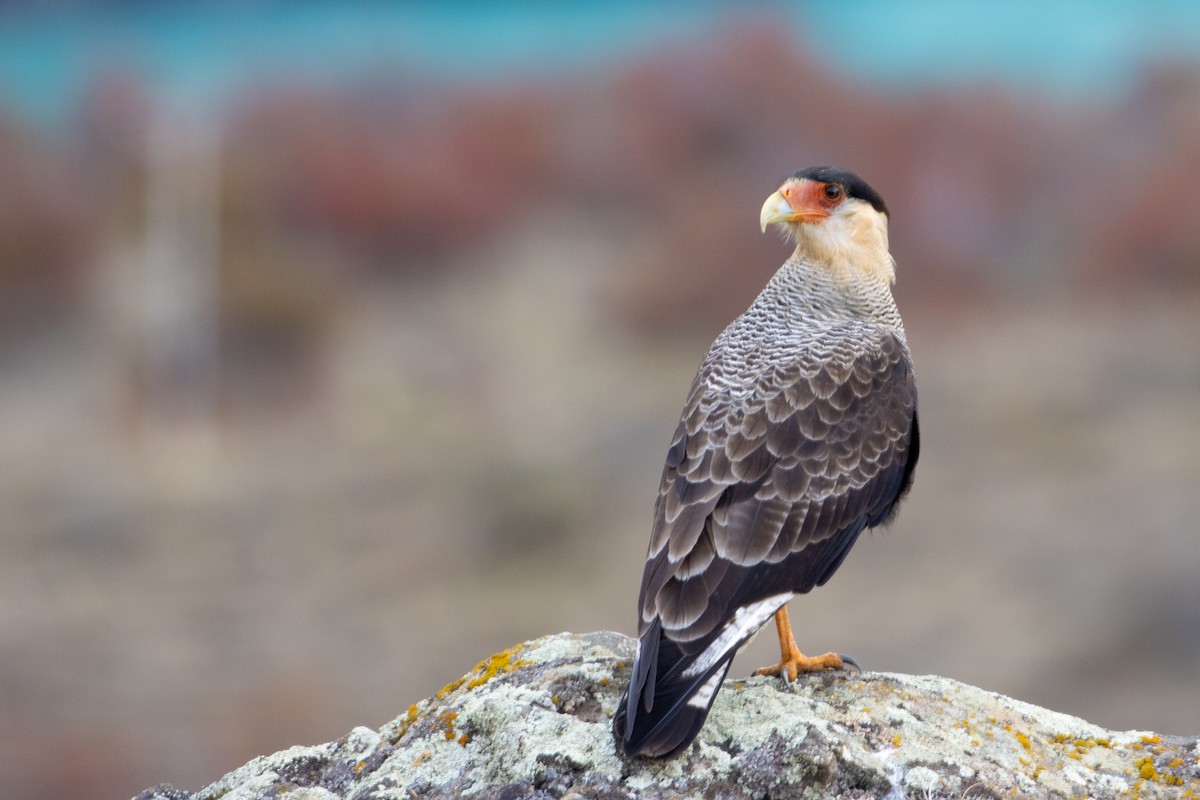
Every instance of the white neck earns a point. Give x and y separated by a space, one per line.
852 245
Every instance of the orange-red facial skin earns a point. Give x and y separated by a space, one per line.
807 199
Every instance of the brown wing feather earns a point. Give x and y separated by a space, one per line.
763 498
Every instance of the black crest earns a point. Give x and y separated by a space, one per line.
854 185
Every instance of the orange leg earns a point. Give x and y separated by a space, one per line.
791 660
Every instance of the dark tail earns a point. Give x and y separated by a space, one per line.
662 710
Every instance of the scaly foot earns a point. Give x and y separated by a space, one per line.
792 662
796 662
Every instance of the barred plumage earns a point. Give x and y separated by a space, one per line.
799 432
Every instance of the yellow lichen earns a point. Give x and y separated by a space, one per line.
896 740
446 719
1024 740
450 687
484 671
407 722
497 664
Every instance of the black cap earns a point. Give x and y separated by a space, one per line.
853 185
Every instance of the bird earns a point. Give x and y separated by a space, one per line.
799 432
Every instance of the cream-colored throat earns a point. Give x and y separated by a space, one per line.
852 245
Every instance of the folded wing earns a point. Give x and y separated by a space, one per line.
767 485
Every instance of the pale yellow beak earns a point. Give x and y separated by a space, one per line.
775 209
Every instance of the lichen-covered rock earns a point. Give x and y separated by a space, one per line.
533 721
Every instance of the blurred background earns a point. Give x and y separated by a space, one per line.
341 343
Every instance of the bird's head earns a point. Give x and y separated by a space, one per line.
835 218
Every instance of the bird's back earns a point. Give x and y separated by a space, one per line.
772 474
798 433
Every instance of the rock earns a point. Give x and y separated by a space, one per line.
533 721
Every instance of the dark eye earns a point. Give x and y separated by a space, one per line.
832 192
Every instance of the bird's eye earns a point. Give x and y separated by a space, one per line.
832 192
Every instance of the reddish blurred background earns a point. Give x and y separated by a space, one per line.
325 372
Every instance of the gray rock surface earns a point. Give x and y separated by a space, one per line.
533 721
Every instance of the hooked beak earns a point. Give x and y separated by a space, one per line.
774 210
796 201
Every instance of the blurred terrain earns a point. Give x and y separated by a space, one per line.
312 397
